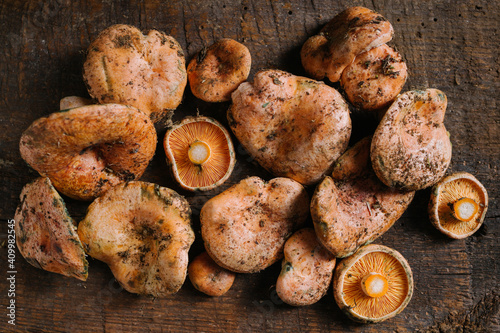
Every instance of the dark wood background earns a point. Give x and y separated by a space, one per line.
450 45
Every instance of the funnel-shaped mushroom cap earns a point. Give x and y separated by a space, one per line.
458 205
143 232
146 71
353 31
46 235
411 148
200 153
374 284
215 72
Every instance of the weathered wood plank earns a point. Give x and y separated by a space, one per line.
450 45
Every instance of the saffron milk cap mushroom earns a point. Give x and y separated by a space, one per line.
458 205
373 285
208 277
200 153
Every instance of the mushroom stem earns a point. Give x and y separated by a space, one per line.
374 285
464 209
199 152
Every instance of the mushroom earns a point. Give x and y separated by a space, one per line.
70 102
306 270
245 227
375 78
200 153
293 126
353 207
146 71
215 72
86 150
458 205
46 235
350 33
143 232
411 148
208 277
373 285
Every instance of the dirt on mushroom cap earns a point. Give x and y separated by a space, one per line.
353 207
146 71
293 126
87 150
46 235
306 270
245 227
411 149
215 72
143 232
353 31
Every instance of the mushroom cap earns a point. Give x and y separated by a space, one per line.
348 278
447 191
143 232
214 147
245 227
146 71
353 207
208 277
353 31
306 270
374 79
411 149
215 72
86 150
71 102
293 126
46 235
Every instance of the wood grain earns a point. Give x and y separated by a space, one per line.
449 45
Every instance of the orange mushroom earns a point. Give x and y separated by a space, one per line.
208 277
200 153
215 72
458 205
373 285
46 235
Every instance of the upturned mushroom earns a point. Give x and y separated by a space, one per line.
411 149
350 33
87 150
143 232
146 71
46 235
458 205
353 207
374 79
208 277
200 153
293 126
216 71
245 227
373 285
306 270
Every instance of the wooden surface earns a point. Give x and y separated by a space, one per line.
450 45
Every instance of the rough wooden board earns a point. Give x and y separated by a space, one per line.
450 45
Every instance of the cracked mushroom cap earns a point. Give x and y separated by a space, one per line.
458 205
375 78
146 71
373 285
353 207
350 33
215 72
293 126
411 148
200 153
143 232
306 270
46 235
244 228
88 149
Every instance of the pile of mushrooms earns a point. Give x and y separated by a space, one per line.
295 127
